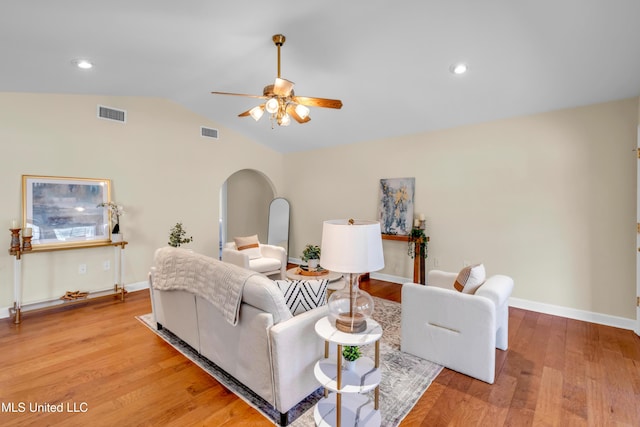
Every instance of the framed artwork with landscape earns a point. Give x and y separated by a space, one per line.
65 211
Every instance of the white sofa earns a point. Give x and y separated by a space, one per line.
272 263
269 350
457 330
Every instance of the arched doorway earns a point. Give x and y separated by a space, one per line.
244 205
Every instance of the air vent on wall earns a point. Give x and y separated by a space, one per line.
109 113
208 132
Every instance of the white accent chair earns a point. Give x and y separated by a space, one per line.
272 262
457 330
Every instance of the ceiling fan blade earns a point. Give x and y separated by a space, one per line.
291 110
239 94
246 113
318 102
283 87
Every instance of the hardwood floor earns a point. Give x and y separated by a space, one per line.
107 369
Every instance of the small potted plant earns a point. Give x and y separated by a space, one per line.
177 236
311 255
351 353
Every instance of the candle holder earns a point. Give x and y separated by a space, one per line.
423 224
26 243
15 240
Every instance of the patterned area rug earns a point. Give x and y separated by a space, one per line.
405 378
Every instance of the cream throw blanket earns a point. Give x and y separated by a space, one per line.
218 282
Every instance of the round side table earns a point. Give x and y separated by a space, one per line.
336 281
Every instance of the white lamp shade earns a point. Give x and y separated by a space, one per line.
302 111
347 248
257 112
272 105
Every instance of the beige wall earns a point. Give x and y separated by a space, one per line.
548 199
248 198
162 171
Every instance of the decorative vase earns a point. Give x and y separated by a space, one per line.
313 264
350 365
350 307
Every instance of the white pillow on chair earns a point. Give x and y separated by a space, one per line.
249 245
470 278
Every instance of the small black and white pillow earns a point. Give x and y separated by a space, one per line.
303 295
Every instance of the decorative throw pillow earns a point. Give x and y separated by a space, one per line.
470 278
303 295
249 245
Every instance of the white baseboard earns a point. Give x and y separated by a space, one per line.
555 310
389 278
138 286
132 287
573 313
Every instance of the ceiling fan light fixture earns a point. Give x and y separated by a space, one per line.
302 111
285 120
282 104
272 106
257 112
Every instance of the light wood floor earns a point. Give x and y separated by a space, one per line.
98 360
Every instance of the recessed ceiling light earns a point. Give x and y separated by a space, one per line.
460 68
82 63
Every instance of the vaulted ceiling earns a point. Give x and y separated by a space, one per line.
389 62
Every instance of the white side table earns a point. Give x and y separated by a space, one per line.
343 404
118 287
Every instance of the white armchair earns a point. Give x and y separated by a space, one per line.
271 263
457 330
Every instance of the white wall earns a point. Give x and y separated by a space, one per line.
161 169
548 199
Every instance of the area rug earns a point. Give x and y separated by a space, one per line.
405 378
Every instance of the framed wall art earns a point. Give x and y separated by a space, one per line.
395 205
64 211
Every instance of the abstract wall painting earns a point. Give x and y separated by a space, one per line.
395 205
64 211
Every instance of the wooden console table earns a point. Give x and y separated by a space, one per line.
18 309
418 260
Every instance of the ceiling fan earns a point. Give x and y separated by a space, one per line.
281 102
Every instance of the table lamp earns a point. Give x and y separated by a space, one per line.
353 247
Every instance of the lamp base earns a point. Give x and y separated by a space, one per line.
355 324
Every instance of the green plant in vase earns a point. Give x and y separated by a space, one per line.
351 353
177 236
311 255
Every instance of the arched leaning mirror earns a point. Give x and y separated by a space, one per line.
278 232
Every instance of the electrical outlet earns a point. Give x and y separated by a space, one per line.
436 262
82 269
106 265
